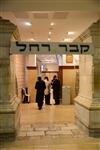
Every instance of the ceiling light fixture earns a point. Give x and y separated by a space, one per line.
28 23
52 23
49 39
67 40
70 33
49 32
32 39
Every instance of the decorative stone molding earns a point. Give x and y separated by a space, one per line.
7 27
16 35
86 34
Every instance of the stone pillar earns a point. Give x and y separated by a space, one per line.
87 103
9 110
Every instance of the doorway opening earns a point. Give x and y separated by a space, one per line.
67 72
51 116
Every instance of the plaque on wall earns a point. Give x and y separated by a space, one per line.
69 58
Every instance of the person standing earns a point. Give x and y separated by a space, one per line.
47 90
40 87
56 89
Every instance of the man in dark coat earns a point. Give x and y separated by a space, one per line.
40 87
56 90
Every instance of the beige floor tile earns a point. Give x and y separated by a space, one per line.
88 147
52 128
64 147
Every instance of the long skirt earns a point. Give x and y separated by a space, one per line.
47 99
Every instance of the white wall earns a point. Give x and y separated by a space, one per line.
52 67
31 60
20 72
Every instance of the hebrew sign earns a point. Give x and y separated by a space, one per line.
50 48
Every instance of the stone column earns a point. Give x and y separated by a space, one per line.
87 103
9 110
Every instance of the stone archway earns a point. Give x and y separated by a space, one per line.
87 106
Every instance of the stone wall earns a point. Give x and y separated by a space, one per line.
87 103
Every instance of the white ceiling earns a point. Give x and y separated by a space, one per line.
76 21
64 21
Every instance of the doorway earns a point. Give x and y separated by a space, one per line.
67 75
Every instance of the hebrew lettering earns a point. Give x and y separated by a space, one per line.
46 45
74 48
84 48
33 45
64 46
23 46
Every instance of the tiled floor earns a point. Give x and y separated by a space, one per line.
52 128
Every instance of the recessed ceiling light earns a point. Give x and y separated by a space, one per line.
49 39
52 23
70 33
49 32
67 40
28 23
32 39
